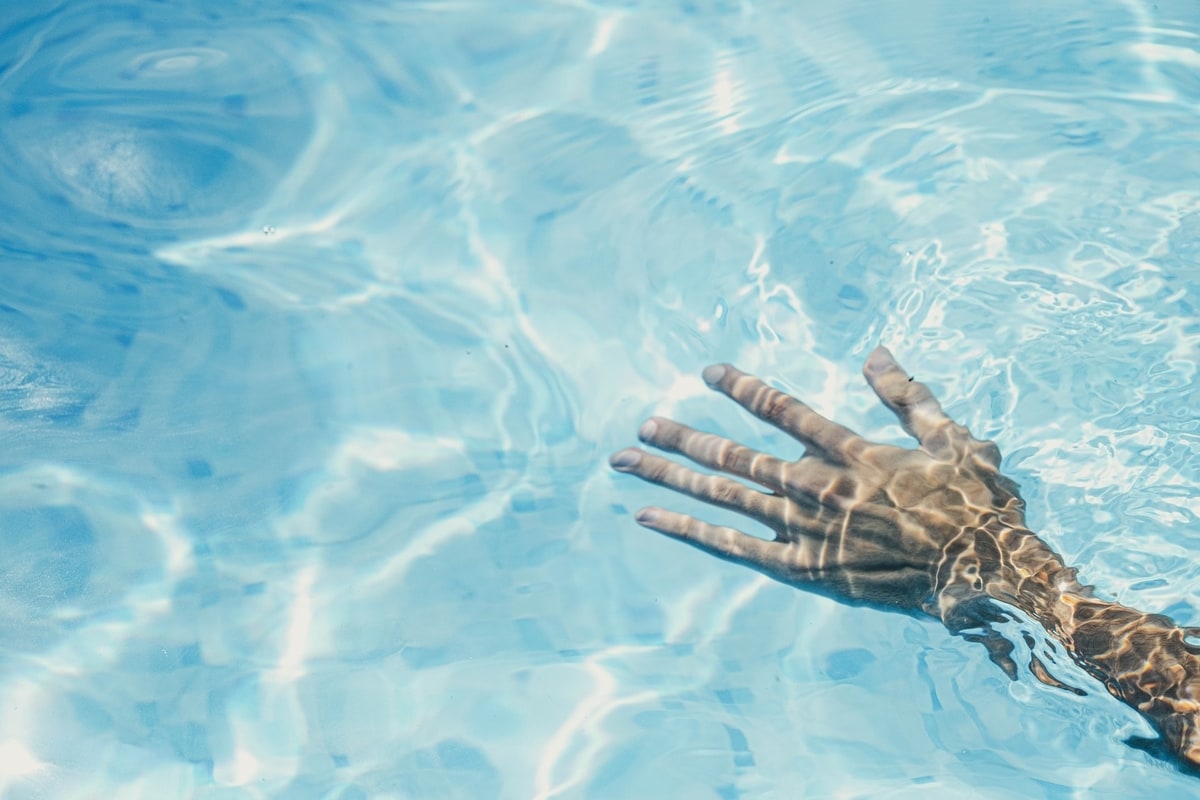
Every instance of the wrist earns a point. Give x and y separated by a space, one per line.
1008 564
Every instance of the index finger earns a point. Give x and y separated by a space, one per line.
785 412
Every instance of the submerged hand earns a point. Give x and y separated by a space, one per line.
935 529
854 519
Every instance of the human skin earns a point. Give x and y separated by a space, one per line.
935 530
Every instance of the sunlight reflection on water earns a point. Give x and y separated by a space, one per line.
319 321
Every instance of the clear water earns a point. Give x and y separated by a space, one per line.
318 320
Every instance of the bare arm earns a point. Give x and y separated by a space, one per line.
935 530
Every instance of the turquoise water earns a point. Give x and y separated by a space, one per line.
318 321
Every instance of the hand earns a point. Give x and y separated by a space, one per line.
937 529
917 529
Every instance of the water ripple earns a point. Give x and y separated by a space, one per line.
111 125
318 320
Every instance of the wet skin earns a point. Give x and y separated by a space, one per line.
935 530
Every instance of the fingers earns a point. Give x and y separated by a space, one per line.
727 543
715 489
802 563
785 412
715 452
919 411
809 480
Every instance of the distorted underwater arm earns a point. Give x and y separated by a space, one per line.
935 530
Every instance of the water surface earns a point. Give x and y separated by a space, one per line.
318 321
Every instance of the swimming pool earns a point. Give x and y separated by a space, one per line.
319 320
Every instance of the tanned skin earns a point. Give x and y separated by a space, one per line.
935 530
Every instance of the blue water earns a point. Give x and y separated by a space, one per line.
319 319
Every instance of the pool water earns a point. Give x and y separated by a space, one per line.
318 321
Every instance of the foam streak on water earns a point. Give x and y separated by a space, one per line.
318 322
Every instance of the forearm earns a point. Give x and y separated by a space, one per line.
1141 658
1137 655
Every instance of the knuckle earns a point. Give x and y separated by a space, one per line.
724 493
657 469
914 394
776 405
735 459
708 448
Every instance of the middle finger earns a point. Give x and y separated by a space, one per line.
714 489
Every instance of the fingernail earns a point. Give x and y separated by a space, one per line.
712 375
624 459
648 429
646 516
